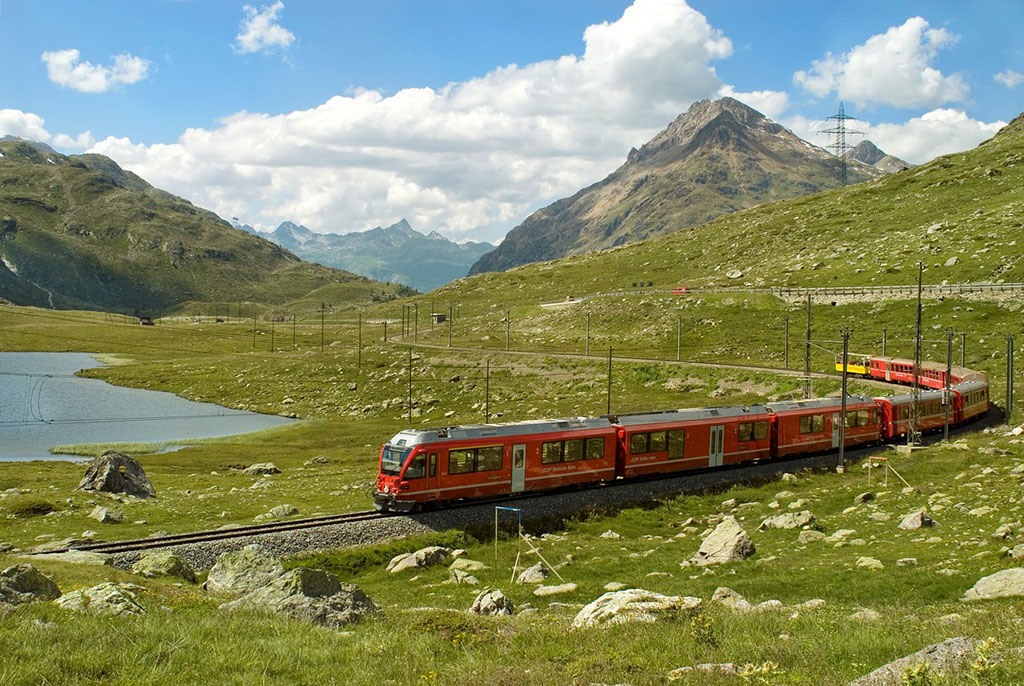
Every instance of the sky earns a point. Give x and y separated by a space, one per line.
464 116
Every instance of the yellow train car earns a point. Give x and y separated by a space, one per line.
854 367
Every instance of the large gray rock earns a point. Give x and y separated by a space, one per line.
243 571
916 520
536 574
788 520
114 472
424 557
632 605
24 583
262 468
542 591
727 543
105 515
279 512
940 657
309 595
1007 583
107 598
724 595
492 602
161 563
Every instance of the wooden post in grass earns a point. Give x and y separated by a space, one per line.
359 344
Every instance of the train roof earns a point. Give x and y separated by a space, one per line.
687 414
907 398
472 431
957 370
968 386
816 403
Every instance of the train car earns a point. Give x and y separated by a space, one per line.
971 400
900 370
898 409
420 468
810 426
858 366
674 440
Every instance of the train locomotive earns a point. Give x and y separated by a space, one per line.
425 468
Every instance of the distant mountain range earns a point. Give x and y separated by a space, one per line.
716 158
79 232
397 254
868 153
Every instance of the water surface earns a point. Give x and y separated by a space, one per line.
42 404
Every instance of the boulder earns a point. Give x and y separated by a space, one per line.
733 274
866 615
319 459
727 543
940 657
614 586
107 598
279 512
24 583
916 520
632 605
610 534
534 575
865 497
787 520
542 591
466 565
105 515
461 578
810 536
309 595
243 571
261 468
161 563
870 563
729 598
1007 583
492 602
114 472
424 557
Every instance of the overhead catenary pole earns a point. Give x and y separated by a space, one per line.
786 352
807 352
254 327
914 433
416 325
679 338
842 410
947 399
271 334
385 330
487 391
293 330
508 329
1009 379
359 343
586 350
321 327
963 348
449 325
885 337
609 409
410 384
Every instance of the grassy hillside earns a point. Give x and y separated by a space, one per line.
80 232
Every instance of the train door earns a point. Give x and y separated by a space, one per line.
716 449
518 468
835 429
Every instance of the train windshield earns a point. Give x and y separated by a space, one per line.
392 460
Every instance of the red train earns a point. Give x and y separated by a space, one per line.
427 467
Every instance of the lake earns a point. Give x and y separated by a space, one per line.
42 404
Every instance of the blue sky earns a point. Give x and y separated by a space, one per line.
465 116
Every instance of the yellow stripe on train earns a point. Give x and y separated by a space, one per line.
852 368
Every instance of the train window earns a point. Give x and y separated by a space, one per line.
851 419
488 459
805 425
638 443
817 423
460 461
573 450
595 448
863 417
676 443
433 464
417 467
760 431
658 442
745 432
550 453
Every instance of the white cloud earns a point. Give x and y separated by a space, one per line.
769 103
81 142
23 125
471 158
892 68
1009 78
918 140
64 69
259 30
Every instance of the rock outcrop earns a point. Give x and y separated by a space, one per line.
163 563
24 583
114 472
107 598
424 557
939 657
632 605
1004 584
243 571
727 543
492 602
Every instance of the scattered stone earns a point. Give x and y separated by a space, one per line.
319 459
916 520
787 520
1004 584
554 590
83 557
869 563
981 511
534 575
610 534
810 536
769 606
733 274
309 595
614 586
784 495
422 558
161 563
260 483
880 516
107 598
789 477
492 602
729 504
461 578
105 515
1003 532
24 583
840 535
729 598
114 472
467 565
812 604
1016 552
865 497
866 615
710 668
906 562
632 605
261 468
279 512
727 543
243 571
940 657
